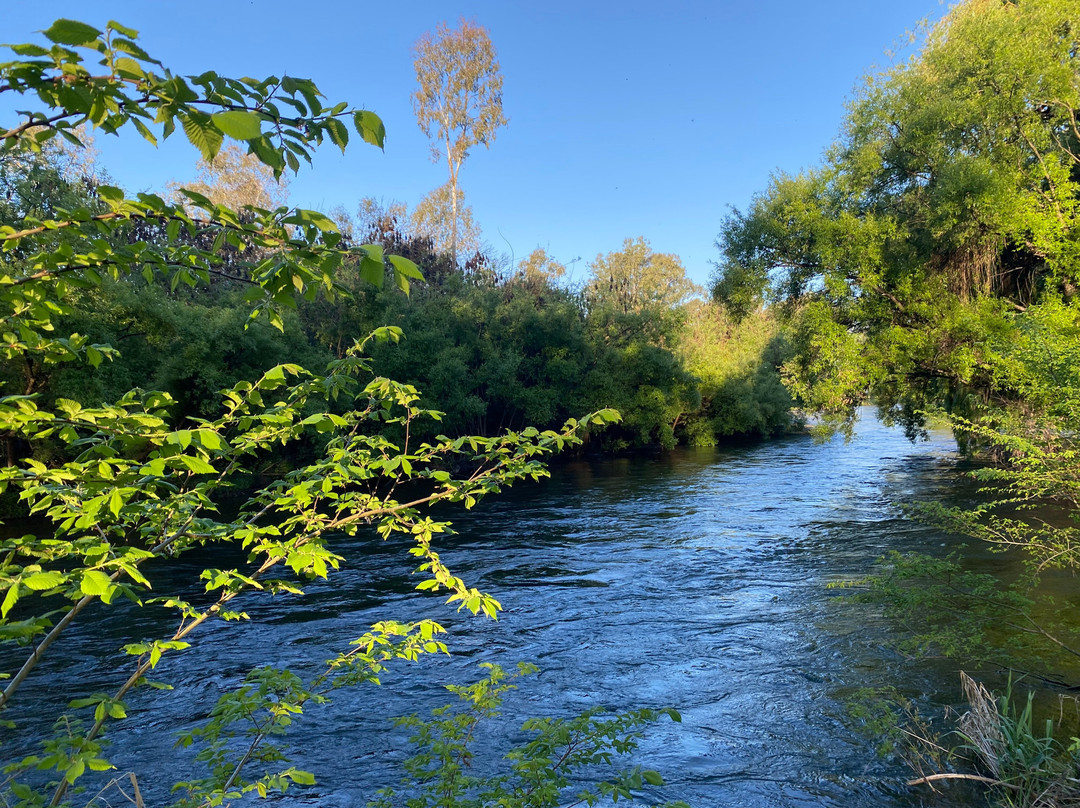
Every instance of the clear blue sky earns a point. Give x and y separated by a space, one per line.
626 118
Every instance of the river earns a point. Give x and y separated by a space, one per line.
694 579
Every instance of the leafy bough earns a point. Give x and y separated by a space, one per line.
114 509
126 486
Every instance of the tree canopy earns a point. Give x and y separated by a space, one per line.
941 218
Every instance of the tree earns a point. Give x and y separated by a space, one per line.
237 179
538 269
458 103
125 488
635 279
447 223
737 364
946 210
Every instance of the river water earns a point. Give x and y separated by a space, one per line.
694 579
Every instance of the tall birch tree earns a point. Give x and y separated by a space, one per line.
458 102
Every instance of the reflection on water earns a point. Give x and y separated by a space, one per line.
695 579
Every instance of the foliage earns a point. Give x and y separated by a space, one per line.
499 352
1029 504
458 102
1028 766
895 724
943 609
930 265
236 179
538 269
738 364
636 280
447 772
125 487
942 214
447 224
1021 762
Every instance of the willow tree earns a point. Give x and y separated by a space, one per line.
945 212
458 102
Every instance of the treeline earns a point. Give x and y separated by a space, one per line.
492 345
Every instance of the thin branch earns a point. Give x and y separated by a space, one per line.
958 776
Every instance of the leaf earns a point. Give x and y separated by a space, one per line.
239 124
338 133
301 777
320 220
197 465
372 271
10 599
28 50
129 68
122 29
75 771
95 583
116 502
209 438
114 196
197 199
652 778
404 266
43 580
267 153
203 135
71 32
370 127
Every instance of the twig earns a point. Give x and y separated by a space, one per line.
959 776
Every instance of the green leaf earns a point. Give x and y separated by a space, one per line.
652 778
10 599
28 50
239 124
370 127
129 68
71 32
95 583
202 134
301 777
403 266
116 502
197 199
338 133
197 465
267 153
114 196
209 438
43 580
372 271
320 220
131 33
75 771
